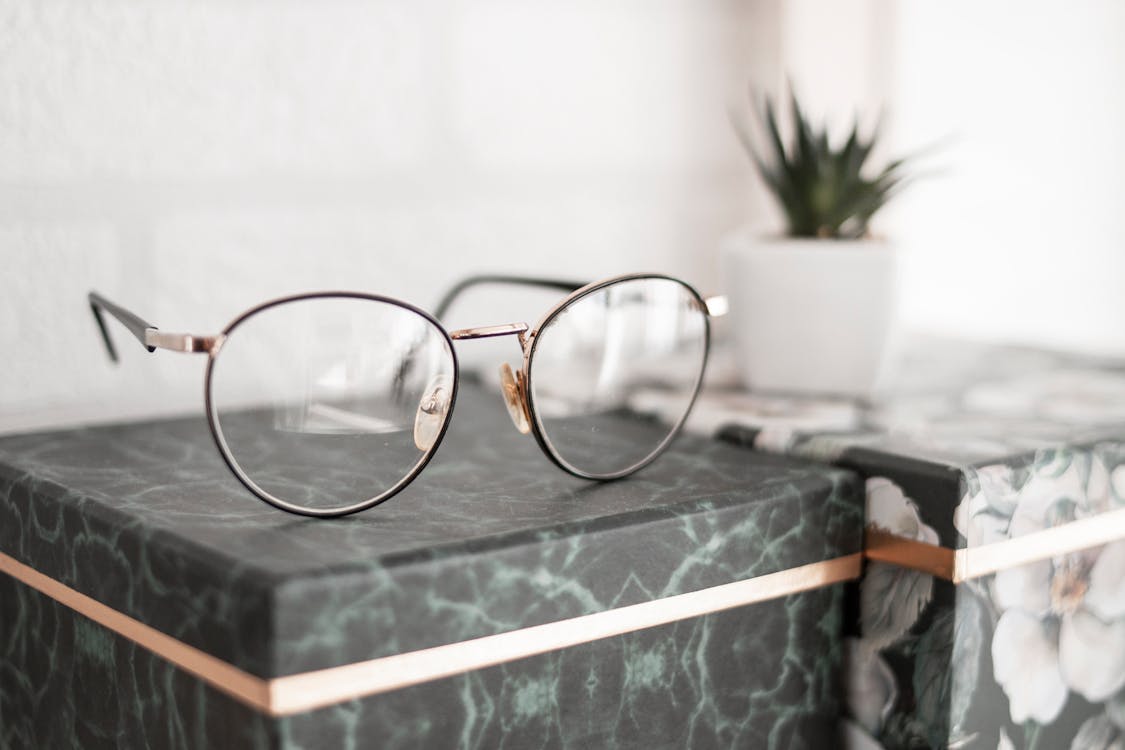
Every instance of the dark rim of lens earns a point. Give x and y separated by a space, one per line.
536 423
232 463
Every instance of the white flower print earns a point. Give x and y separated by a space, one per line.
1062 622
891 597
1025 661
869 684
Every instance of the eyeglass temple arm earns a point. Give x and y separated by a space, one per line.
137 325
150 336
716 305
451 296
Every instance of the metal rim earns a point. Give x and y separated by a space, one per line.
533 338
232 463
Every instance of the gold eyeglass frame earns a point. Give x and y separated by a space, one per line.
516 387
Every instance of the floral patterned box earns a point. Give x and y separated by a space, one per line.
147 600
992 610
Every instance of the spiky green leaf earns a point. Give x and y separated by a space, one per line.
823 191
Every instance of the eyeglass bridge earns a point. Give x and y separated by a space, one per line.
513 386
488 332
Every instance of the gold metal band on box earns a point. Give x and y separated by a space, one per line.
973 562
291 694
281 696
883 546
230 679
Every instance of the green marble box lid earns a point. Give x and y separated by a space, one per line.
992 611
960 427
145 518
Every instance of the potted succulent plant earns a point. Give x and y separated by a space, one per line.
812 309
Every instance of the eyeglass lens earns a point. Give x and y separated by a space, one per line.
597 363
324 403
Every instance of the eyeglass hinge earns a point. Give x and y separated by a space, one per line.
717 306
182 342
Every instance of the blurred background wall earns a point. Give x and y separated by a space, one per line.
192 159
1019 234
1024 237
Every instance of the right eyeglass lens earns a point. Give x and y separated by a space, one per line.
326 403
615 372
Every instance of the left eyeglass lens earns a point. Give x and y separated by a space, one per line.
326 403
614 373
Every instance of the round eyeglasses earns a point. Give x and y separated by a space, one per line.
328 403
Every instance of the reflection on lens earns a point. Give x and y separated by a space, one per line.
325 403
596 363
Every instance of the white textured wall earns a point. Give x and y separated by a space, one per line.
1019 234
1023 237
191 159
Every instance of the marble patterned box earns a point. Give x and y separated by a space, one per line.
147 600
992 611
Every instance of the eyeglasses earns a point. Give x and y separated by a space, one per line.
328 403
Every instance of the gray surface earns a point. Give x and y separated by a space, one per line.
490 537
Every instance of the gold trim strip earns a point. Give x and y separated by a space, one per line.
303 692
974 562
883 546
236 683
282 696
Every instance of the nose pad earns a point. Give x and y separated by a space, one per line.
512 386
432 412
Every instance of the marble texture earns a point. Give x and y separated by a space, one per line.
763 676
972 446
955 412
491 537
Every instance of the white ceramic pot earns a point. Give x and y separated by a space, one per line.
809 316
